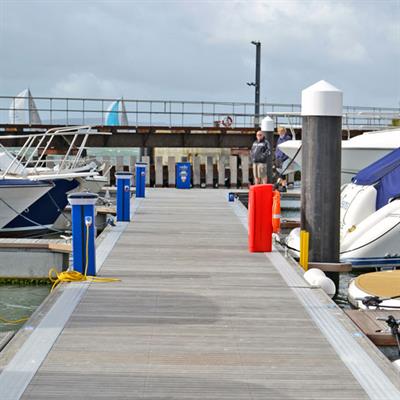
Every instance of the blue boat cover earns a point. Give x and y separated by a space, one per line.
384 174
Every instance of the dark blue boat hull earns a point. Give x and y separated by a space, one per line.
42 214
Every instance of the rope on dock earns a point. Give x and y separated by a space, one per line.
75 276
13 321
67 276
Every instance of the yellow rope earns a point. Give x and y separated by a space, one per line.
67 276
75 276
13 321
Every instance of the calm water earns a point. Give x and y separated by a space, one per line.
19 301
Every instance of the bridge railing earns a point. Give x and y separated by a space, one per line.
169 113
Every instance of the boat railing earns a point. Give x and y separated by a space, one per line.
31 155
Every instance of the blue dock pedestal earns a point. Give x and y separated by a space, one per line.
231 197
183 175
83 232
123 196
140 170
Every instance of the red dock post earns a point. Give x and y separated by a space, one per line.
260 218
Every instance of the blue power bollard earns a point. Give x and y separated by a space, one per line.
123 196
83 232
183 175
140 169
231 196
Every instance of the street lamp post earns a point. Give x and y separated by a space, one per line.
257 84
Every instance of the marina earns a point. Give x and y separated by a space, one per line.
203 288
41 255
200 202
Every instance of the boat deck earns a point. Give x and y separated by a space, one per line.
196 316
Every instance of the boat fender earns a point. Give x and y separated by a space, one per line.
328 286
316 277
396 364
313 275
276 211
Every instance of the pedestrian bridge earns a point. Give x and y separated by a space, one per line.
168 123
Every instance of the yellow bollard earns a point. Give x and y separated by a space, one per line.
304 244
301 248
305 249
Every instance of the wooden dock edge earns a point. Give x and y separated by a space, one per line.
331 267
376 330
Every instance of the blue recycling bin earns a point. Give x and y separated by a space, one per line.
183 175
140 169
83 232
123 195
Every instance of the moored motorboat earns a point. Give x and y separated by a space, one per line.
16 195
369 216
375 290
41 214
70 173
357 152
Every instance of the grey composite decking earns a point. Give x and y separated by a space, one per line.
194 317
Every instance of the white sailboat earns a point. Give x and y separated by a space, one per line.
116 114
23 110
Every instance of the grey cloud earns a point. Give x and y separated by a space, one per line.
200 50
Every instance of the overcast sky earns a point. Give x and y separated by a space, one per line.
200 50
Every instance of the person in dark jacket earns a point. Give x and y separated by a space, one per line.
260 150
281 157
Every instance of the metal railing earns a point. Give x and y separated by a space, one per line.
64 111
30 158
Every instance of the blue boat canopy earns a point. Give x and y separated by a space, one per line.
384 174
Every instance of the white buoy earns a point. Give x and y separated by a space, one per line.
313 275
327 285
317 277
396 364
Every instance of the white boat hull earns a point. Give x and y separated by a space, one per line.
377 282
357 153
16 199
368 238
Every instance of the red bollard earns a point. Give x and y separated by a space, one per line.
260 218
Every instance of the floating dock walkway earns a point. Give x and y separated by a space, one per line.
195 316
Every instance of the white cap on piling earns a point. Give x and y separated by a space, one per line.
322 99
267 124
